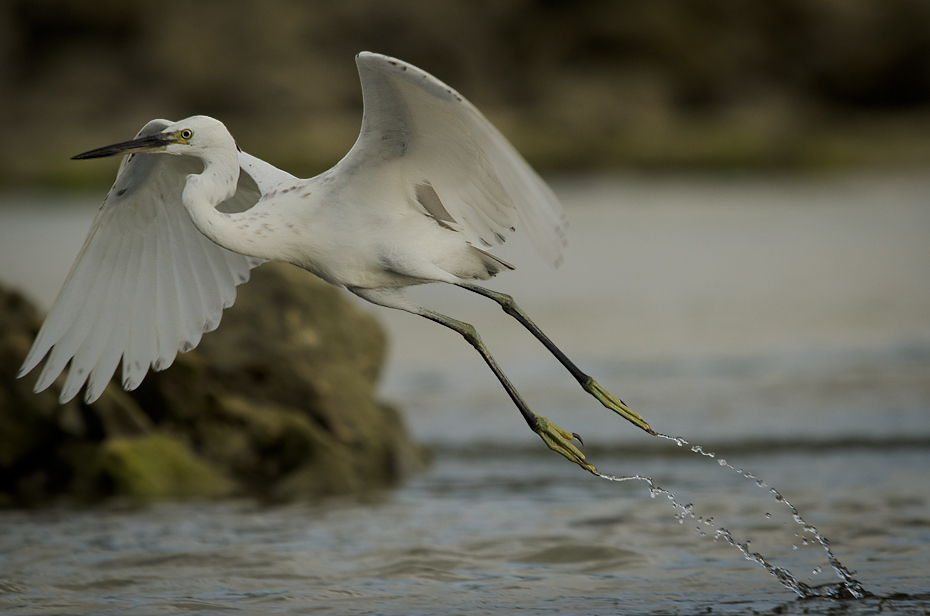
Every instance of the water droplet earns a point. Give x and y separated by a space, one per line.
785 577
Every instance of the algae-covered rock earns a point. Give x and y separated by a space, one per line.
279 402
156 466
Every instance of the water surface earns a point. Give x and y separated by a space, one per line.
489 533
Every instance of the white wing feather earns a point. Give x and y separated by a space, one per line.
146 283
413 119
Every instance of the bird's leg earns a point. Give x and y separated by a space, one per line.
589 384
556 438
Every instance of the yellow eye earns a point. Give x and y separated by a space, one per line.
186 134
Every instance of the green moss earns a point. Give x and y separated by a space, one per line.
157 466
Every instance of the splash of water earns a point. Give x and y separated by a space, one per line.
847 588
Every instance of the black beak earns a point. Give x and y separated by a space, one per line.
149 143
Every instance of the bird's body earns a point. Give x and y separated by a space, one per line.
427 189
372 245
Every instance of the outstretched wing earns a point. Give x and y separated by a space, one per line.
146 283
461 170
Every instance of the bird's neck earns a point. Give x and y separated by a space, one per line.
206 190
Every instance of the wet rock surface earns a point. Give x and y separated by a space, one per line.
279 403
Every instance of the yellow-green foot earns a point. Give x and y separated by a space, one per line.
615 404
558 439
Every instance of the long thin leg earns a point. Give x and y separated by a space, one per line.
556 438
589 384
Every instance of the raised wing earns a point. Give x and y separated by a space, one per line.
461 170
146 283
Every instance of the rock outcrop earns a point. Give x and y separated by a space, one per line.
279 403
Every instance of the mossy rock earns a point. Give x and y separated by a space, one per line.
155 466
279 403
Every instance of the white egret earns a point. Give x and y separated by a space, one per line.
429 186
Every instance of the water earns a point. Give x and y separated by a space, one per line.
846 588
781 323
487 532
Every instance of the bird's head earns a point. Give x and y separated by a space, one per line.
192 136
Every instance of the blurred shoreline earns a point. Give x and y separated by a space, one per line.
722 145
594 85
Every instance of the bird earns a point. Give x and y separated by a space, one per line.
427 190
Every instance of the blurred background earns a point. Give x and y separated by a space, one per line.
746 181
584 85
